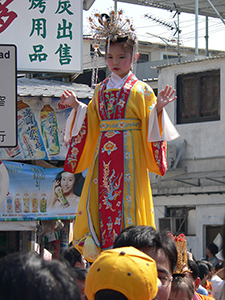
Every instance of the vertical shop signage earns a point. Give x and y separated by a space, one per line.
47 33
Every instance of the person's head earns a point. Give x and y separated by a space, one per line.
211 269
194 274
119 56
211 250
127 271
69 182
203 271
219 266
26 276
158 245
74 257
80 275
182 288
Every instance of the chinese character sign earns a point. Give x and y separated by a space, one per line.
48 34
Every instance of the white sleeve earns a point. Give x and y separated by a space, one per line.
169 131
81 112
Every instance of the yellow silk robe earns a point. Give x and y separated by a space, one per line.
139 157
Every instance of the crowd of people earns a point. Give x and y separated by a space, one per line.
143 264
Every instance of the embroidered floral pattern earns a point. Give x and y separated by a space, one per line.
76 144
95 180
111 134
159 151
109 147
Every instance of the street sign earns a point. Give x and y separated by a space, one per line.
8 97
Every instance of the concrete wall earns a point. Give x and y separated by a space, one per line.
204 139
210 210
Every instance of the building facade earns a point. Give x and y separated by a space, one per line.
190 198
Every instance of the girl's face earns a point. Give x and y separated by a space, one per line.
67 182
119 60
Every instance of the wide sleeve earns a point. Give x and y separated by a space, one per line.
168 131
154 151
82 144
75 121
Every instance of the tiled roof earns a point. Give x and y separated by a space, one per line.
50 88
189 61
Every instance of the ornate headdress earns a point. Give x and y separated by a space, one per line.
181 245
110 27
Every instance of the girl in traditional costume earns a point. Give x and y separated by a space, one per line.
119 137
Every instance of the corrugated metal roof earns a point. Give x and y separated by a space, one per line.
189 61
204 6
50 88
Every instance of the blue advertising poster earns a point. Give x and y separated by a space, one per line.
37 193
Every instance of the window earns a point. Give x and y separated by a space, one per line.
143 58
179 220
198 97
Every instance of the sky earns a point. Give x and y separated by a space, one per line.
146 28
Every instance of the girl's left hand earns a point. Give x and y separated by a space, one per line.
165 97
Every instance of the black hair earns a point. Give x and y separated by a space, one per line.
219 266
179 280
213 248
203 269
71 255
80 273
146 236
126 43
26 276
192 265
109 295
209 264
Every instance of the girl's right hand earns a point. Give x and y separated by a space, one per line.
69 98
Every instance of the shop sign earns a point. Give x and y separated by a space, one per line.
47 33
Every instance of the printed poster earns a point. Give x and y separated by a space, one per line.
37 193
40 130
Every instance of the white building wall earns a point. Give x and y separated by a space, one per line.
204 153
210 210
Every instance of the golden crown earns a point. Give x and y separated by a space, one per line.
181 245
111 26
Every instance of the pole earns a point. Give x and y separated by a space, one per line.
206 36
196 27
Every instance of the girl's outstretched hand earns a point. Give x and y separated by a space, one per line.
165 96
69 98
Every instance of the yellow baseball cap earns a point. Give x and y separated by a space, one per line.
126 270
